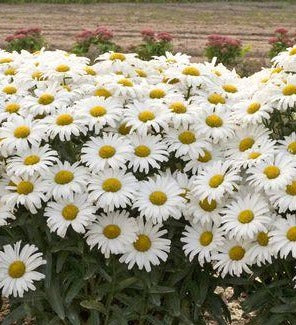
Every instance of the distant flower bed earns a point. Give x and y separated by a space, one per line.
134 188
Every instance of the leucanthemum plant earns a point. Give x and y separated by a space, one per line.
132 189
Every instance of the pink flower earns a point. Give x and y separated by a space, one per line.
148 32
103 33
164 36
281 30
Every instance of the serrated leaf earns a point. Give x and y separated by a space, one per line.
161 289
55 300
125 283
74 290
93 305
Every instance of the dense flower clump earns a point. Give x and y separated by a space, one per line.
117 150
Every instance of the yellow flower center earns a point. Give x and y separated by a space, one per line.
123 129
207 156
37 75
217 73
291 233
97 111
70 212
277 70
62 68
245 216
292 148
157 93
187 137
106 152
9 90
214 121
63 177
64 119
254 155
5 60
216 180
10 71
272 172
245 144
206 238
289 90
17 269
253 108
25 187
117 56
125 82
292 51
102 92
158 198
111 185
143 243
45 99
216 99
264 80
12 108
178 108
236 253
191 71
291 188
146 116
90 71
31 160
230 88
208 206
111 231
141 73
142 151
262 238
22 132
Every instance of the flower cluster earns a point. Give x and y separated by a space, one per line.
280 41
226 49
29 39
117 150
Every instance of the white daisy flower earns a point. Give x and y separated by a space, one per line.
76 211
112 189
185 141
148 152
29 161
246 215
288 145
5 213
65 179
284 198
149 247
273 174
261 251
202 241
159 198
215 123
283 237
216 181
97 112
109 150
17 269
112 232
64 123
19 132
27 191
145 117
232 258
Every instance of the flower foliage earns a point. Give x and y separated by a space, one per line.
154 44
101 38
280 41
134 188
227 50
29 39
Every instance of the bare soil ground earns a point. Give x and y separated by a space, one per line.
252 22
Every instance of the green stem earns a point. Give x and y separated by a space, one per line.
111 293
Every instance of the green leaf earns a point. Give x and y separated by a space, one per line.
285 308
55 300
173 302
126 283
161 289
74 290
93 305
